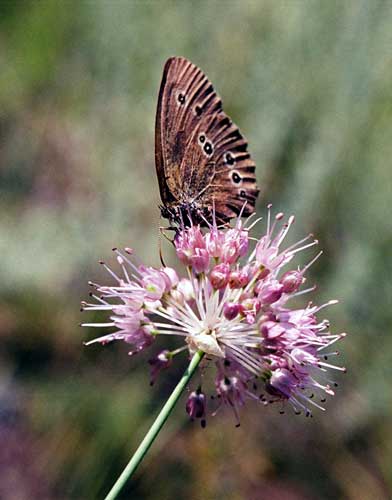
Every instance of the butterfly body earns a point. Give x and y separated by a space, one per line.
202 162
186 213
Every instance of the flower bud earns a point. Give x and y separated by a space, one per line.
238 279
160 362
200 260
231 310
140 338
177 296
195 237
271 330
214 240
244 243
170 276
249 308
291 281
267 316
230 252
191 248
196 406
270 292
263 273
282 383
185 287
219 276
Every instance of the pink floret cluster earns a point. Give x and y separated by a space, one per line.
232 304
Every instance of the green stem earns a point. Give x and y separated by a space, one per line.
155 428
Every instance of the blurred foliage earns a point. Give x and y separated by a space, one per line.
309 83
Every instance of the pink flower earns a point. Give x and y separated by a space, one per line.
155 282
269 291
158 363
291 281
238 278
250 308
282 383
231 310
232 303
214 240
235 245
191 249
219 276
268 249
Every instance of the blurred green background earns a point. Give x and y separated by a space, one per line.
309 84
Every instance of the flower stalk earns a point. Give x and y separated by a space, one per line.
155 428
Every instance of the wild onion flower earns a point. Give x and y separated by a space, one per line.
231 303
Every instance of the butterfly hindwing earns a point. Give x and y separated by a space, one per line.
218 147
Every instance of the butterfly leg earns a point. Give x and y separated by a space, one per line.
162 232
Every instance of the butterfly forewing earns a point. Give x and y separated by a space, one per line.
201 157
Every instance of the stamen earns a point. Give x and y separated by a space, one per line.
303 271
98 325
285 230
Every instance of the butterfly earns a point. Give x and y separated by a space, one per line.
204 169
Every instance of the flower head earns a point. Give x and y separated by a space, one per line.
232 304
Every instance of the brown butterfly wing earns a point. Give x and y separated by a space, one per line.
177 116
222 173
201 156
